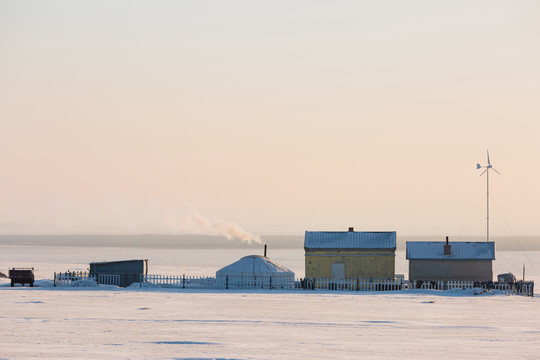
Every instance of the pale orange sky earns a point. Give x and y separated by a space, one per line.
127 117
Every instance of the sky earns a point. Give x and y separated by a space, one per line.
253 118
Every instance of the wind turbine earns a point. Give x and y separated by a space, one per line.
487 167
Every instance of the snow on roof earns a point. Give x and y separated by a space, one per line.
434 250
350 240
116 261
254 265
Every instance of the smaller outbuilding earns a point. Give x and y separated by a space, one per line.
450 261
255 271
129 271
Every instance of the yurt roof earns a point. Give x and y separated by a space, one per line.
254 265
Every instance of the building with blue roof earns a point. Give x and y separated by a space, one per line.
450 261
350 254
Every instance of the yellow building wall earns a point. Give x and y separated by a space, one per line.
363 264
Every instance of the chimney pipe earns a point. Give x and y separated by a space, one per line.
351 229
264 250
447 248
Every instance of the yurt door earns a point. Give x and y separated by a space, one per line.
338 271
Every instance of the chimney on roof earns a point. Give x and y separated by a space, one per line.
264 250
351 229
447 248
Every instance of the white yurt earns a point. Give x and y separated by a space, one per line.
255 271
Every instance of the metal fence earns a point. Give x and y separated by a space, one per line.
176 281
352 284
222 282
71 278
79 278
82 278
261 282
108 279
442 285
525 288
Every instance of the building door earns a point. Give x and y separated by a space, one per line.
338 271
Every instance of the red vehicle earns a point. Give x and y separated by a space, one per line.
22 276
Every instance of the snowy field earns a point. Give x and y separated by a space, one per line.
172 324
94 323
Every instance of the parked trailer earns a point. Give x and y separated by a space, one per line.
22 276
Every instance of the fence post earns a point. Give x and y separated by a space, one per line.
183 281
226 281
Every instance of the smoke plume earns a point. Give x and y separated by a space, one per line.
195 222
111 214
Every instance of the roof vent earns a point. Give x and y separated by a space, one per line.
447 248
351 229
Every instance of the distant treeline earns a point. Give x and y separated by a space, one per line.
519 243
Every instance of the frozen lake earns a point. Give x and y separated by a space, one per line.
49 259
46 322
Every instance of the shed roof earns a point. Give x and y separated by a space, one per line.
116 261
434 250
350 240
254 265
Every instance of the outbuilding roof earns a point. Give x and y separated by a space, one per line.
350 240
116 261
434 250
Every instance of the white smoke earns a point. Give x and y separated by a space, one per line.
195 222
113 215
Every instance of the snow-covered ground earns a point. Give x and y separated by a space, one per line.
48 322
174 324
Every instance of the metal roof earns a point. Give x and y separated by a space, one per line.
434 250
350 240
116 261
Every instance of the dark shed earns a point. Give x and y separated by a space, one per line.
130 271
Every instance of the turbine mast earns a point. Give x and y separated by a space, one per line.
487 210
487 167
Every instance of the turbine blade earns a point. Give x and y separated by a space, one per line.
483 172
496 171
489 163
